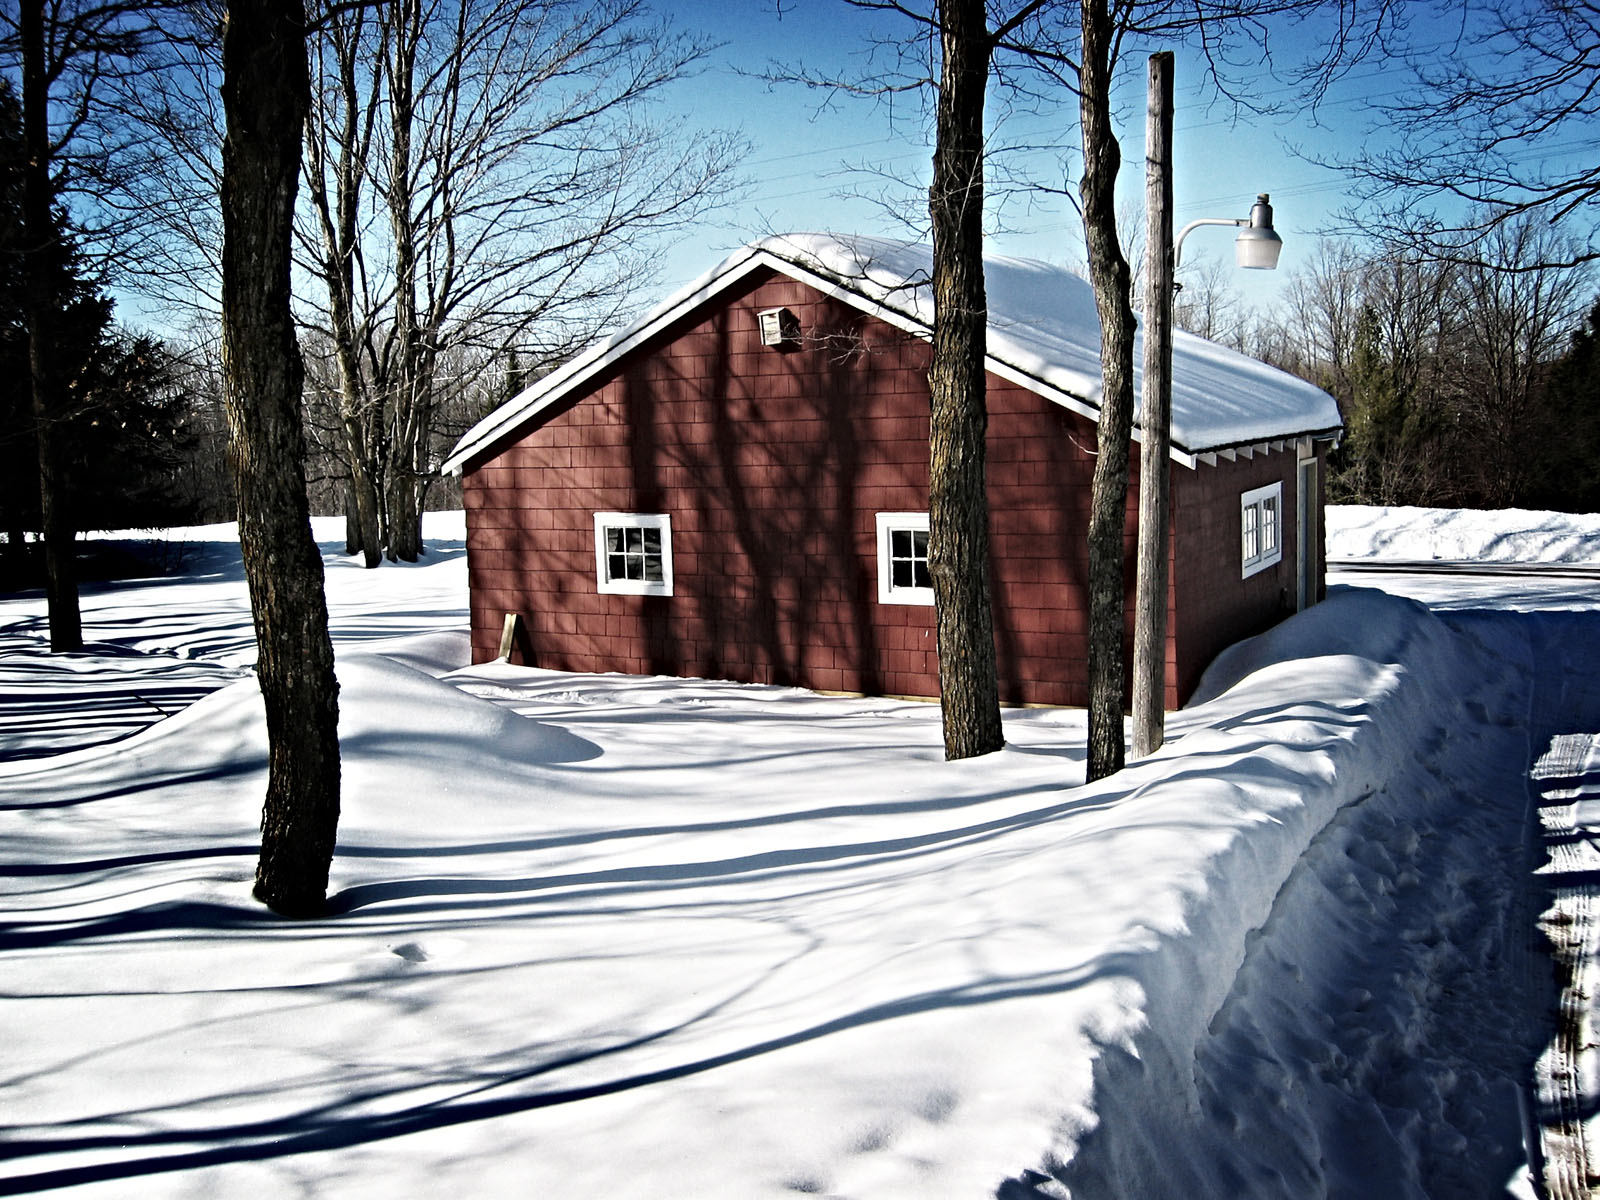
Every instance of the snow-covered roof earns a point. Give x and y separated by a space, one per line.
1044 334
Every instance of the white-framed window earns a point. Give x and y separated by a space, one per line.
633 553
1261 527
903 559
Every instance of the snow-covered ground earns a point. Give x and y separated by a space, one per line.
1423 552
600 935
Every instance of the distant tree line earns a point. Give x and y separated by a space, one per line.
1464 381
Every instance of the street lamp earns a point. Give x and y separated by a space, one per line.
1256 247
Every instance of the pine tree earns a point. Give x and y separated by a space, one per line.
117 424
1572 407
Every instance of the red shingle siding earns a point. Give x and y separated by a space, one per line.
772 465
1213 605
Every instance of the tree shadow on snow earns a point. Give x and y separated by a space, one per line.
349 1121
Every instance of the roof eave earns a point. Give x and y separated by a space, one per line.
1212 455
540 395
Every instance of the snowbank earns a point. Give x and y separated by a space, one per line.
1389 795
1357 531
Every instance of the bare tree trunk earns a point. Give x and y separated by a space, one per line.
958 506
266 94
42 239
405 521
364 509
415 321
352 533
1108 504
404 41
337 144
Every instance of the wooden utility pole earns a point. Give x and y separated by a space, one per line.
1155 421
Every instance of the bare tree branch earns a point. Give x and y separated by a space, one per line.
1497 126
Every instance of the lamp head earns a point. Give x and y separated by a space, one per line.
1258 245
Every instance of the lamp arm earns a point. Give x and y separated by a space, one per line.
1177 242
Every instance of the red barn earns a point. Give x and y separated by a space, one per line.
735 486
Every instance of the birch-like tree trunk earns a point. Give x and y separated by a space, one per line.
1108 504
266 94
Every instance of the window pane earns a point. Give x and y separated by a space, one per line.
1269 523
1251 548
902 544
634 553
908 559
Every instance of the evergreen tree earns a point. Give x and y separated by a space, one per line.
1572 407
118 422
130 437
17 481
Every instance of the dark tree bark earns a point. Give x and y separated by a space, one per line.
42 238
266 95
958 506
1108 505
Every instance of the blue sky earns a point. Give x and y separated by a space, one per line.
806 155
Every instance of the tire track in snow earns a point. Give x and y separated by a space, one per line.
1567 1079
